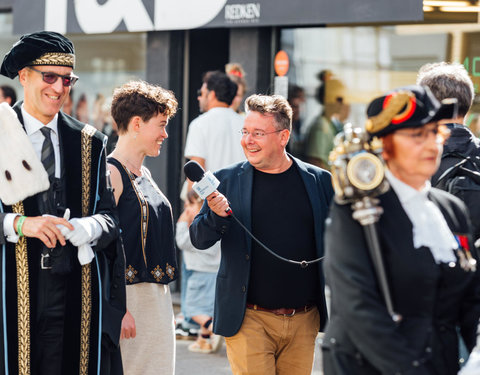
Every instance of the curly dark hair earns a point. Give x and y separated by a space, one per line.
140 98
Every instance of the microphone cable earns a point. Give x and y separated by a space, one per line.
302 264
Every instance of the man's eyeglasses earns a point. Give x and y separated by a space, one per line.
51 78
257 134
421 135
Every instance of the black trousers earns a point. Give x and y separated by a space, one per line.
48 348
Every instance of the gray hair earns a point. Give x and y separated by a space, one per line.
448 80
274 105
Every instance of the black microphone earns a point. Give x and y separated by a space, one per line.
204 183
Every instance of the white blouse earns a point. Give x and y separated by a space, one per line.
429 226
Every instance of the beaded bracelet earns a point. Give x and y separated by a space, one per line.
19 225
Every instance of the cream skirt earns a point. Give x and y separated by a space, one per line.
152 351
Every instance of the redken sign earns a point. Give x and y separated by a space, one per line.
106 16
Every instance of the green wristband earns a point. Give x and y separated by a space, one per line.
20 225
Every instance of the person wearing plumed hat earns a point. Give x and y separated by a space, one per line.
62 264
425 240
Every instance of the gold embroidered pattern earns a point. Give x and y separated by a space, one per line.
87 132
170 271
157 273
390 113
143 209
130 273
23 300
55 58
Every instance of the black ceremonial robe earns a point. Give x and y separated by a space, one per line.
104 289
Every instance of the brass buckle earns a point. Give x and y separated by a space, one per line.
42 261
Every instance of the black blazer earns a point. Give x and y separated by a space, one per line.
433 299
233 276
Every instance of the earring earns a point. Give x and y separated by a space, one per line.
135 136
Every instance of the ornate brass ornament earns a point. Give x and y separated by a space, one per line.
392 105
55 58
87 132
357 165
23 300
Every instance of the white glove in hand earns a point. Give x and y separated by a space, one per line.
83 232
85 254
63 229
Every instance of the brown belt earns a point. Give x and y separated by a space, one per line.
282 311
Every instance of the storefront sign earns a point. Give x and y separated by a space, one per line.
105 16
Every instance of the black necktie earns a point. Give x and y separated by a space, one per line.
48 161
48 155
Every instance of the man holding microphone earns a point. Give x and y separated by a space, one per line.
268 309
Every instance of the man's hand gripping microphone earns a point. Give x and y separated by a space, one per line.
205 185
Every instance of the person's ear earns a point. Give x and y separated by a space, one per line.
285 136
135 124
22 76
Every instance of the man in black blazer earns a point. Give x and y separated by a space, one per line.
269 310
63 281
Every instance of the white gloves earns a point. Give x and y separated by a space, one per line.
86 230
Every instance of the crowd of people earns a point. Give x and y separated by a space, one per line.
89 247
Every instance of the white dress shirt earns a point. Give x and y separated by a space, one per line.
429 226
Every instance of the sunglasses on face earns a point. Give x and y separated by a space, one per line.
51 78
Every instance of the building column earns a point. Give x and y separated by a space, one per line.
165 62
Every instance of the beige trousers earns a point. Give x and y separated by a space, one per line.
269 344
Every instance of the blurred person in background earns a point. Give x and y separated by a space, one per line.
451 80
81 109
237 75
200 290
296 99
8 94
319 141
141 112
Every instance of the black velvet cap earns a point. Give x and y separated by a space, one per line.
39 48
407 107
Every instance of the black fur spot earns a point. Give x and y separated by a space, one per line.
8 175
26 165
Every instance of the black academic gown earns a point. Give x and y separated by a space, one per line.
107 268
361 338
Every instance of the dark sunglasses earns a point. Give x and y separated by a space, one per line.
51 78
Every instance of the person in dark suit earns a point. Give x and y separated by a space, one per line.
269 311
425 239
64 290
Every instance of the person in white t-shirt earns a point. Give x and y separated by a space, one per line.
213 138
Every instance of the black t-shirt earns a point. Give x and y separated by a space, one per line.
282 218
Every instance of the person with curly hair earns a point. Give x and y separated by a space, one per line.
141 112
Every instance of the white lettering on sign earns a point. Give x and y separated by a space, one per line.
56 16
93 17
185 14
237 12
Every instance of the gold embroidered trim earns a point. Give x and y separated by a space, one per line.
157 273
55 58
170 271
87 132
144 210
130 273
398 100
23 300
